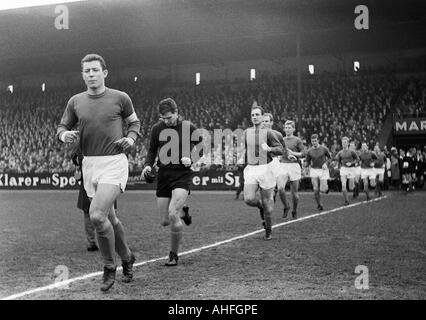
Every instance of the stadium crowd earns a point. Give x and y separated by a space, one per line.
334 106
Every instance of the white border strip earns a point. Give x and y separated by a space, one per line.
216 244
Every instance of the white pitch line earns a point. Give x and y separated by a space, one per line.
221 192
216 244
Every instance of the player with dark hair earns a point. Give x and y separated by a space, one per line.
100 113
368 173
317 157
174 172
260 146
346 159
290 168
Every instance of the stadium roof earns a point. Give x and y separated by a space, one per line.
153 32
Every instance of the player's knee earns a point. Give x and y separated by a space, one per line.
175 223
250 200
114 220
267 212
281 186
97 218
268 206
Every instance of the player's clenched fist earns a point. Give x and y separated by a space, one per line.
186 161
69 136
292 158
146 171
265 147
291 155
125 142
77 175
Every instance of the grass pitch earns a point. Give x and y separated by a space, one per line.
310 259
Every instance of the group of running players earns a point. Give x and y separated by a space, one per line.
273 159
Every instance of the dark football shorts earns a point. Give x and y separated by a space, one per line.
170 179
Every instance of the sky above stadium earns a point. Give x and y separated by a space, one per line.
15 4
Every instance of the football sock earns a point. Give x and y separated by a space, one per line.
379 186
317 197
89 229
121 246
295 202
283 198
268 223
106 242
176 237
345 195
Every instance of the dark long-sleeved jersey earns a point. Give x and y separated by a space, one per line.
171 144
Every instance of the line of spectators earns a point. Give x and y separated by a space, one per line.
334 106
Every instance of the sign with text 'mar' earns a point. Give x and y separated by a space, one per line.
409 126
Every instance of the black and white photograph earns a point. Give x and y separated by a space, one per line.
231 152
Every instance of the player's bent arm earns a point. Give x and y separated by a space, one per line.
68 121
281 140
68 136
307 161
338 160
301 153
277 150
274 144
145 170
133 126
329 162
153 148
63 131
298 154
